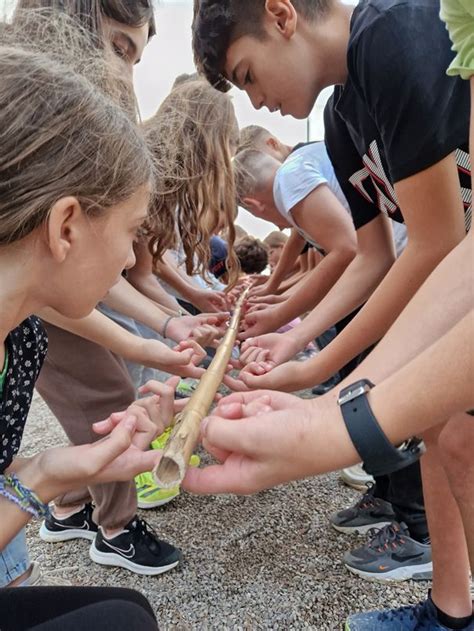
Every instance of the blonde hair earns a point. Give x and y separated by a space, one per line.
253 137
61 136
275 239
190 138
253 170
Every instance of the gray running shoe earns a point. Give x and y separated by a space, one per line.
368 513
391 555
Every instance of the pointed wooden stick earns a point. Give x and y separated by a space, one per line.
173 464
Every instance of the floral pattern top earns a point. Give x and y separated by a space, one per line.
26 346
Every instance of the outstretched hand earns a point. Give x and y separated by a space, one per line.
259 441
113 459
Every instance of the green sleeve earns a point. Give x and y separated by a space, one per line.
459 18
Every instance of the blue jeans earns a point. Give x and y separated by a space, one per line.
14 559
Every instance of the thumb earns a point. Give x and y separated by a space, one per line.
119 440
224 435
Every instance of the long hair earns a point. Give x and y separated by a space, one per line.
61 136
190 137
90 13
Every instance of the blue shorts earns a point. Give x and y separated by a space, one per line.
14 559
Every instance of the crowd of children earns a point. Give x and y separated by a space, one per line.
133 225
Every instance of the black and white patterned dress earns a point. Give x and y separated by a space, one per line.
26 346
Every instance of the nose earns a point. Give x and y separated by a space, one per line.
131 259
256 99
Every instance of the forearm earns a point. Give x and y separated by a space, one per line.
422 394
352 290
313 289
380 311
130 302
428 390
150 287
173 278
288 257
442 301
101 330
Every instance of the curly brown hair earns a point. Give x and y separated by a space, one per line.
191 137
252 254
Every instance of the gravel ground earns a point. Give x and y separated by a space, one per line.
270 561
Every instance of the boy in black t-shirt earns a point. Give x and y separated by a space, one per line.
408 123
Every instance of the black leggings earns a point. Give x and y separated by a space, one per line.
74 609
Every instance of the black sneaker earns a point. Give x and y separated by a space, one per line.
137 549
368 513
77 526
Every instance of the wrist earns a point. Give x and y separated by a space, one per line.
166 326
32 476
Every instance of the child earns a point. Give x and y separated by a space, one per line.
275 242
74 366
303 193
252 255
76 229
411 168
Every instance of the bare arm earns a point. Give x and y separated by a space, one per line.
422 394
433 210
375 256
288 257
125 299
326 221
141 276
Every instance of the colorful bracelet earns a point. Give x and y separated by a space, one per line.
22 496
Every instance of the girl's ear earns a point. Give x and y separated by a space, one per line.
65 224
282 15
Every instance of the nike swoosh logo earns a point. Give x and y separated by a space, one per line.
85 526
401 559
128 554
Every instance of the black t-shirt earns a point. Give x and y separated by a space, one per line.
26 347
398 112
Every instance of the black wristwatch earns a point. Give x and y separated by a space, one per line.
379 456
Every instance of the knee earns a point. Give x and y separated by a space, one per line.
455 447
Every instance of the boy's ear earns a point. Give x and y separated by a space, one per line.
254 206
282 14
273 143
65 222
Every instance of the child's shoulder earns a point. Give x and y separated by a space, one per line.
29 340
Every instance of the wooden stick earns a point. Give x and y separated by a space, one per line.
173 464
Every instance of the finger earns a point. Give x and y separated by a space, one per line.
238 410
105 451
218 454
234 384
180 404
210 480
254 368
255 382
